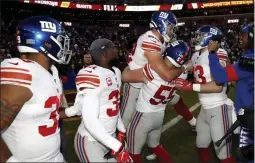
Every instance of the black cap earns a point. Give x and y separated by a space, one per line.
99 46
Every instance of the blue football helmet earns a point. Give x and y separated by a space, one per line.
45 35
178 52
205 34
246 28
165 23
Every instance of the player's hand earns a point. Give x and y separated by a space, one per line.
182 84
213 46
122 156
121 137
189 67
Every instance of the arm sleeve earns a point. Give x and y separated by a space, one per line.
15 72
87 80
151 46
223 75
120 125
74 110
90 114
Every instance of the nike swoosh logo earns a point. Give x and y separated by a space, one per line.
212 116
14 63
88 71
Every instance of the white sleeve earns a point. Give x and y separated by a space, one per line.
120 125
90 114
74 110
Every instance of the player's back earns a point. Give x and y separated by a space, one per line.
202 75
154 95
34 133
106 84
146 42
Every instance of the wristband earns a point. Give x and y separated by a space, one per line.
196 87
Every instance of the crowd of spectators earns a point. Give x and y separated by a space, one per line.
89 25
82 35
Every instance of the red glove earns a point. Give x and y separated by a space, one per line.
182 84
121 137
122 156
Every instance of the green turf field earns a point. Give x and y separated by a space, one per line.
179 140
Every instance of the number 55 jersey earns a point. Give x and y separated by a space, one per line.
156 93
34 135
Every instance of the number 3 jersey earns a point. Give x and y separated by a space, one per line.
202 74
155 95
34 133
106 85
146 42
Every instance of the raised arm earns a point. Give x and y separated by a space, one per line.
157 64
223 75
133 76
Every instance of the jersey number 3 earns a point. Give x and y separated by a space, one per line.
198 75
51 102
115 96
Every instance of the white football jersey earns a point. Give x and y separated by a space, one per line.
202 74
106 84
146 42
34 135
155 95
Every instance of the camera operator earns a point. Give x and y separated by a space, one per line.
245 153
243 73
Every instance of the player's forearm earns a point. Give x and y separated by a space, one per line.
166 73
218 72
210 87
8 112
97 130
90 112
5 152
12 99
67 113
120 125
133 76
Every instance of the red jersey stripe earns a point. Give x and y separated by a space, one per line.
151 43
87 75
12 68
90 79
85 82
150 47
147 72
14 81
16 75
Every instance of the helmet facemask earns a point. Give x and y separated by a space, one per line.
199 40
64 54
169 32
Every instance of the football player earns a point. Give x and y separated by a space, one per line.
146 123
215 117
31 91
148 49
98 89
